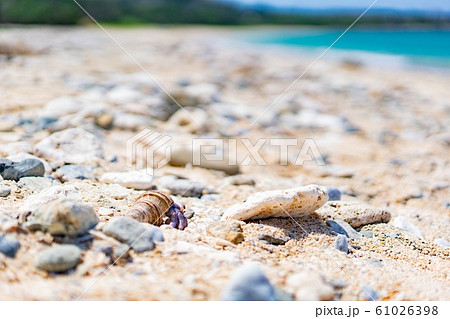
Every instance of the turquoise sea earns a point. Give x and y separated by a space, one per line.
425 47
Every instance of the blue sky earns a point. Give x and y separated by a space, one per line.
423 5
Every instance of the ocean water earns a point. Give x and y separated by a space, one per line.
424 47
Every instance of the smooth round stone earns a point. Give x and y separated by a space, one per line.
63 217
9 246
28 167
59 259
249 284
4 190
341 243
333 193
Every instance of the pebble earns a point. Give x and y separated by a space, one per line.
68 172
102 211
133 233
442 242
63 217
61 106
368 293
18 157
70 146
120 252
294 202
16 170
341 243
184 187
404 224
134 179
341 227
59 258
228 230
333 193
104 120
248 283
353 213
36 184
49 194
309 286
240 179
9 246
272 240
4 190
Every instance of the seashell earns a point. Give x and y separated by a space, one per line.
151 207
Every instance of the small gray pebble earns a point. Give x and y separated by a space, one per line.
343 228
368 293
15 170
249 283
9 246
333 193
59 258
68 172
338 283
121 252
273 240
133 233
4 191
341 243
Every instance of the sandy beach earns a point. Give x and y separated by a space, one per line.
382 132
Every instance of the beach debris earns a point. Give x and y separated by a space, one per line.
341 227
353 213
404 224
133 233
368 293
15 170
333 193
70 146
4 190
151 207
228 230
134 179
59 258
63 217
341 243
293 202
309 286
9 246
183 186
248 283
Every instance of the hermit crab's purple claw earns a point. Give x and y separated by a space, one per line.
176 217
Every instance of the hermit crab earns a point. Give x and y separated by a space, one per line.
151 207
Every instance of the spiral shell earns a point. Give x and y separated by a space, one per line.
150 207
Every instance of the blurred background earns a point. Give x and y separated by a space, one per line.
415 30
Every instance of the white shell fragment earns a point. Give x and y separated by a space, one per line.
293 202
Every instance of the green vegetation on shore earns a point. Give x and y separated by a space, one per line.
130 12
